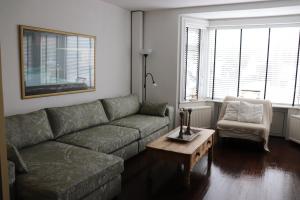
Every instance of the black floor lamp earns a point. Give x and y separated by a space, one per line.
145 53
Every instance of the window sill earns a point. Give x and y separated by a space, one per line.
283 106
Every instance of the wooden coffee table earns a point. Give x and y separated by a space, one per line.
187 154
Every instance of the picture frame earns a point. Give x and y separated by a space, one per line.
54 62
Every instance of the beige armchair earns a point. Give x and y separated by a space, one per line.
242 130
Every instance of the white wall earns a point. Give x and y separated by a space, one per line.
110 24
162 32
137 28
161 35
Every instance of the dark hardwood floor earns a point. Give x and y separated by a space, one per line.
240 170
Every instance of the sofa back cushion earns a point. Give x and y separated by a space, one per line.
68 119
28 129
119 107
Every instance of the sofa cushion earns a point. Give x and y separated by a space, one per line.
146 140
28 129
106 138
107 191
119 107
69 119
156 109
146 124
62 171
128 151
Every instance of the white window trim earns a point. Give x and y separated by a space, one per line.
256 22
194 23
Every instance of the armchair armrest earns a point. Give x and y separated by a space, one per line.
170 113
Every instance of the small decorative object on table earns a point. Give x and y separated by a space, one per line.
188 129
185 134
180 136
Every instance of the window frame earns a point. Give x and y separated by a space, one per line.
198 24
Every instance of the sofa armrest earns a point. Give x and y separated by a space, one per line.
170 113
11 172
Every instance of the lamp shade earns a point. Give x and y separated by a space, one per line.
146 51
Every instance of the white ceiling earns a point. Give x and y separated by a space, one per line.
164 4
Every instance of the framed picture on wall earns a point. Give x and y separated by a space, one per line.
55 62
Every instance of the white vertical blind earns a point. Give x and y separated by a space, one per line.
253 60
227 63
192 56
282 64
211 58
297 89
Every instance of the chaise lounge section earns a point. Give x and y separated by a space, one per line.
77 152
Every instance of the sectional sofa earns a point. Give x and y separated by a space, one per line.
77 152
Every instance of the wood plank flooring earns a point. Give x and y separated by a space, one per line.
240 170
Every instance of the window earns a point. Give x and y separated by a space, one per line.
192 63
282 64
253 60
227 63
261 60
235 61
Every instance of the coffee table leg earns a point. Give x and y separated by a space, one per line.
187 174
210 154
187 178
209 159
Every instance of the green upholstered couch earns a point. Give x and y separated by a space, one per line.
77 152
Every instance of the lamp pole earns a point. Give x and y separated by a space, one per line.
145 53
145 77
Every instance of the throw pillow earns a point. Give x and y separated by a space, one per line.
156 109
251 113
14 156
232 110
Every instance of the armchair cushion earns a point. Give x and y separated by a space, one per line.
232 110
251 113
234 125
